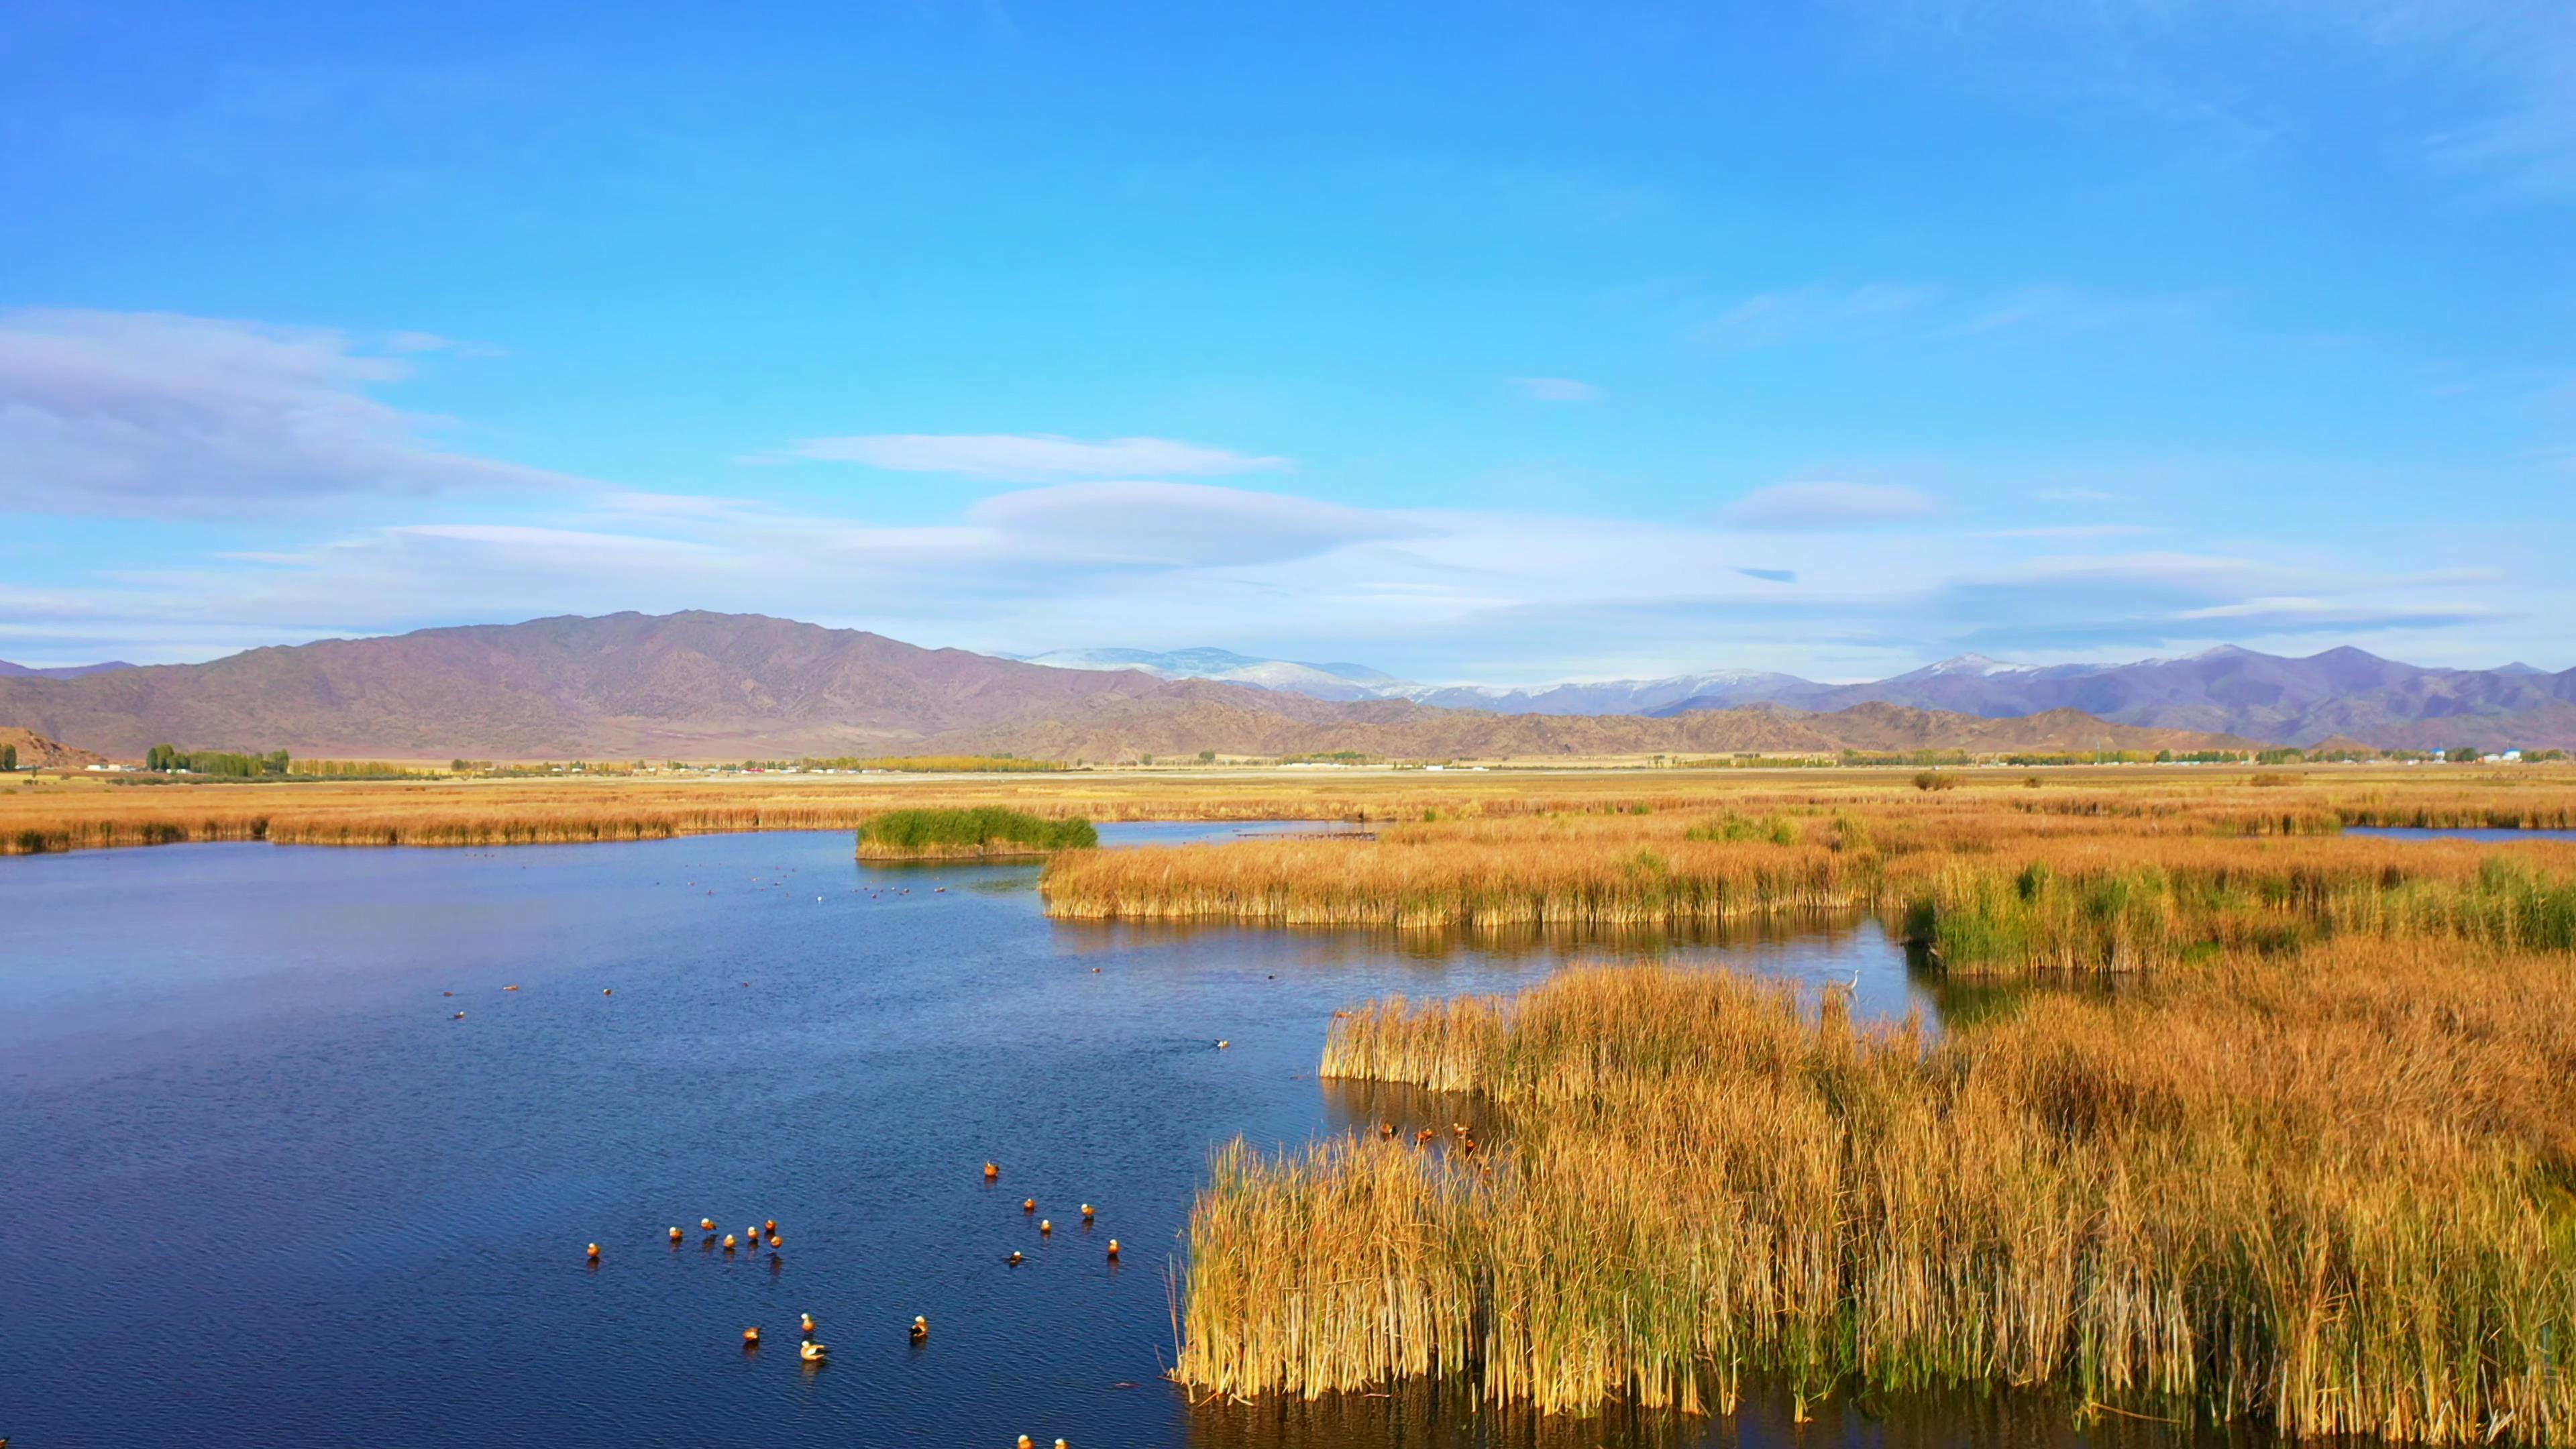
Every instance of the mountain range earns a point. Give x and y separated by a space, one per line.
730 686
2341 693
68 671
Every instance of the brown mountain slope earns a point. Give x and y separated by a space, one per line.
37 752
1120 730
728 686
691 684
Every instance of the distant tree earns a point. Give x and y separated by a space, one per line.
8 758
1933 780
1207 757
2464 755
161 757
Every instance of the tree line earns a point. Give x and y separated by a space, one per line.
215 762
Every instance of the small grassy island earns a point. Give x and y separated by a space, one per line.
983 833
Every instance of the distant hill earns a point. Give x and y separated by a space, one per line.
1394 729
37 752
59 671
733 686
2341 692
1318 681
691 684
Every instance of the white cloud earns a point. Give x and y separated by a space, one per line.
1181 525
1034 457
133 412
1556 389
1808 507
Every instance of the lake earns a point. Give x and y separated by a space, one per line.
2415 832
265 1187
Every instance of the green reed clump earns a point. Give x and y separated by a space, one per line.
1733 827
1975 918
983 830
2325 1191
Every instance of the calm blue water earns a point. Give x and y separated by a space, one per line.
262 1188
2410 832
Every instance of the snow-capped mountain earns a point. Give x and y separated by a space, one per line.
2227 689
1320 681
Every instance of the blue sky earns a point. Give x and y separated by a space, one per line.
1492 342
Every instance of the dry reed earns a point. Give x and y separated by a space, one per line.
2329 1191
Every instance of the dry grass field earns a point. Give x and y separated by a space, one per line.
83 812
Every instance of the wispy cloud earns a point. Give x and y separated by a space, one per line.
1773 319
1557 389
1818 506
2480 88
2072 530
114 412
1034 457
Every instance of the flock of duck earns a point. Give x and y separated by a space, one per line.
809 1348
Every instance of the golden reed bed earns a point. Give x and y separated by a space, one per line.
90 812
1988 881
2328 1191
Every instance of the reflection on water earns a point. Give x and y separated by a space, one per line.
2411 832
311 1172
1849 950
1420 1416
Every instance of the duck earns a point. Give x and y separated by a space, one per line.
1086 1212
1015 1259
509 988
1028 1204
730 1245
1386 1129
675 1237
594 1252
707 1225
812 1352
1027 1443
608 991
460 1016
1425 1135
1045 1227
920 1328
1222 1043
770 1225
1113 1250
991 1171
805 1321
751 1338
775 1240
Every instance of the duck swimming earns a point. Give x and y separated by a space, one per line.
812 1352
920 1328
